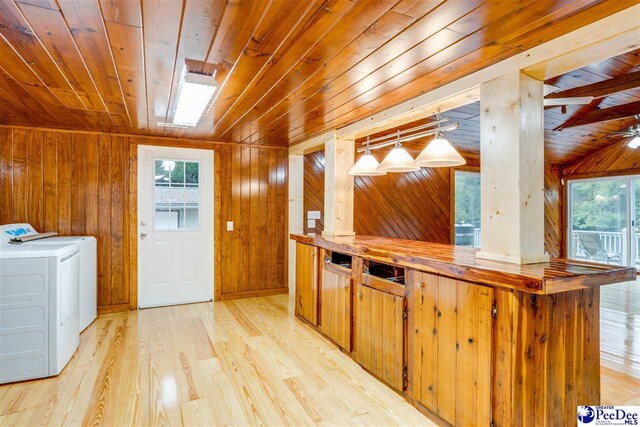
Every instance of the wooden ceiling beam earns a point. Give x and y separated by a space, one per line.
596 116
601 89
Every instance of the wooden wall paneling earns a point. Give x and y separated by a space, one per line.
63 171
553 213
236 247
222 166
263 216
91 185
271 228
615 159
84 183
419 205
282 219
20 175
133 224
256 237
35 209
50 181
104 220
245 217
119 147
6 175
78 205
314 189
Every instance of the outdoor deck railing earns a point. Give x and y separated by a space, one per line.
613 242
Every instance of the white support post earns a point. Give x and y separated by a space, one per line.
296 214
512 173
338 187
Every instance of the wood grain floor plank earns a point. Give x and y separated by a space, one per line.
199 364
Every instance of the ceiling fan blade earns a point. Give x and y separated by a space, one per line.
553 102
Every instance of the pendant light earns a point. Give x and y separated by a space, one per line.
439 153
367 165
398 160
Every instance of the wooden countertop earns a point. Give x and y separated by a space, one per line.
557 275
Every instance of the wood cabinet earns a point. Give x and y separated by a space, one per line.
452 348
335 305
307 283
379 334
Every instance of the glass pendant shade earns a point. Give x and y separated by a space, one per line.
635 142
438 154
367 165
398 160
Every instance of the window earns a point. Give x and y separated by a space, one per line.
602 223
467 208
176 195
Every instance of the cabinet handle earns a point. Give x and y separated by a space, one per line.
420 285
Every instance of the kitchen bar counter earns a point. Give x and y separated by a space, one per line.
457 262
469 341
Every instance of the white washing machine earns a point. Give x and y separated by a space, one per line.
38 306
88 291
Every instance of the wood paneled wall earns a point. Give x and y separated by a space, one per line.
314 189
416 205
86 184
616 159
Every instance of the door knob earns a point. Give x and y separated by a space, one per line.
143 223
143 235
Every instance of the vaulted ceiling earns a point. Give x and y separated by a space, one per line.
566 139
286 69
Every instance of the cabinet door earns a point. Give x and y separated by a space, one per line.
335 307
307 283
379 335
452 348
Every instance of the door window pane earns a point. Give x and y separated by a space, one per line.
467 208
598 221
176 195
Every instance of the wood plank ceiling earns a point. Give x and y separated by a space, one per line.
563 145
286 69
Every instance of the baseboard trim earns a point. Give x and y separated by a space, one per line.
115 308
253 294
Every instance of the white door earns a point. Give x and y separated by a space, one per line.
175 225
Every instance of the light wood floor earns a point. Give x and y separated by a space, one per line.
244 362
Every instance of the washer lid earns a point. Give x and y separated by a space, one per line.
61 240
33 250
